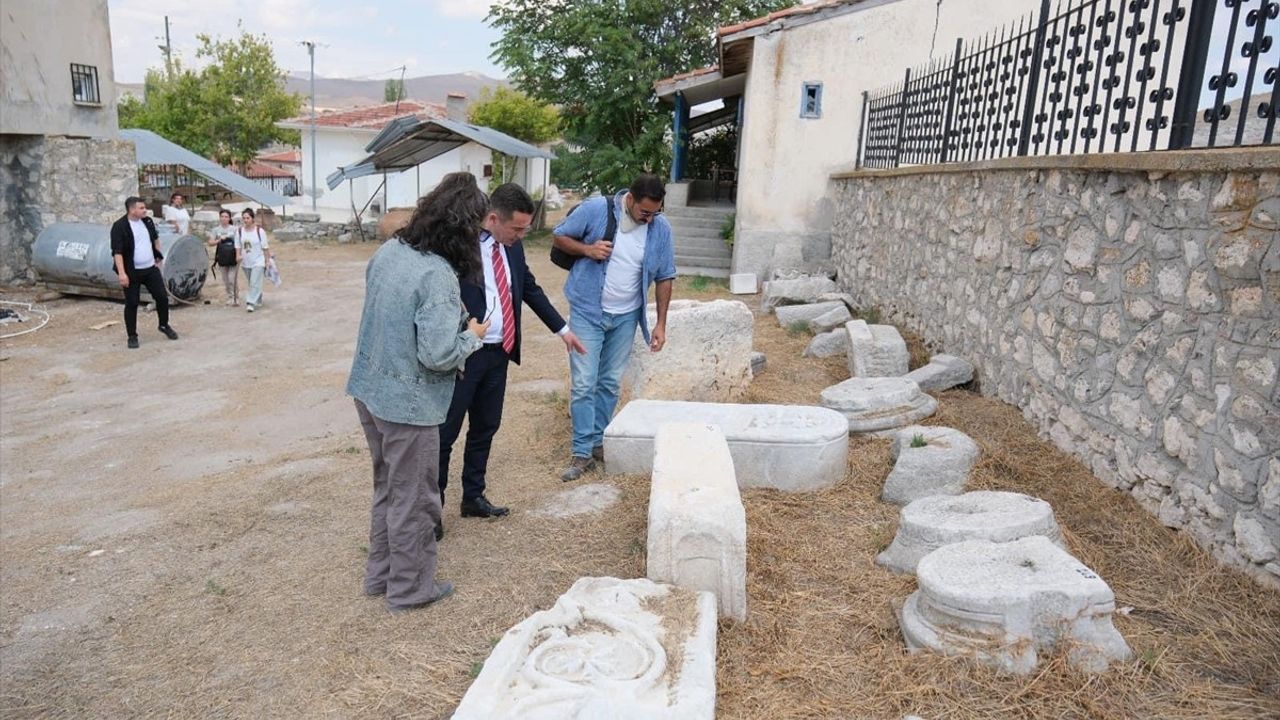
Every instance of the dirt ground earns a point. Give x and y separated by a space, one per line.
183 529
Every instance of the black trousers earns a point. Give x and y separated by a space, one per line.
478 395
154 281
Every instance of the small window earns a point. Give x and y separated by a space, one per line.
811 101
488 171
84 84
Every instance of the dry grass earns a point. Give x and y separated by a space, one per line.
242 598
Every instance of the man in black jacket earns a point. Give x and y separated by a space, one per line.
135 250
479 393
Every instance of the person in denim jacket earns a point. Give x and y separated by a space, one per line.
606 290
414 339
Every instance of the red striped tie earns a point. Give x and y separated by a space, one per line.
504 297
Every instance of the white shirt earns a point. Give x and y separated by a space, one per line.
143 254
622 275
252 243
180 215
493 303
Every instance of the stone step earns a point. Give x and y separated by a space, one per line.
717 214
688 224
703 260
703 246
721 273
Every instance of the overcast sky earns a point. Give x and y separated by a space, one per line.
354 39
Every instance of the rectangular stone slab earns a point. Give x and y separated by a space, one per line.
697 525
787 447
608 648
742 284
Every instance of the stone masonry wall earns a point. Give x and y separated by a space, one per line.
51 179
1132 312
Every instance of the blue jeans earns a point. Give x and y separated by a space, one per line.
597 375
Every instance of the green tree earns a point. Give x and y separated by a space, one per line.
597 61
518 115
227 110
393 91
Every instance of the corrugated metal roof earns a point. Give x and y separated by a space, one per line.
402 145
155 150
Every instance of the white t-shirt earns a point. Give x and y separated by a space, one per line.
143 254
252 243
622 275
182 217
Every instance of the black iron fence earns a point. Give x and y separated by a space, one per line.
1088 76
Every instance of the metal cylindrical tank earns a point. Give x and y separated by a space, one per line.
76 258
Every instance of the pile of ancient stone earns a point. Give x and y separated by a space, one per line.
995 581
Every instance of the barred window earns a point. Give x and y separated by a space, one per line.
811 100
84 84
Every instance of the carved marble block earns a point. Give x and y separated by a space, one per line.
697 525
608 648
743 284
878 405
707 356
941 467
932 522
806 314
942 372
787 447
1006 604
875 350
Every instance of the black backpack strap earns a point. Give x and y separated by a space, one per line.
611 222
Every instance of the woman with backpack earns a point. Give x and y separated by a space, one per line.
226 255
251 242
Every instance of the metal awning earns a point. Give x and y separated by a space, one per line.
155 150
406 143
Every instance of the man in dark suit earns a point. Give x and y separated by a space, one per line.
135 251
508 284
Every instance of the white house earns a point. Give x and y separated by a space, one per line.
797 78
342 139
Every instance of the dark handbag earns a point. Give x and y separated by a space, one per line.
225 253
564 260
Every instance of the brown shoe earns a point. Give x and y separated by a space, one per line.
577 466
597 453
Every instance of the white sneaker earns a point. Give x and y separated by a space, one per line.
249 308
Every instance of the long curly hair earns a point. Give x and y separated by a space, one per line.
447 222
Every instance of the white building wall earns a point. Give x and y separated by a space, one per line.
39 39
784 208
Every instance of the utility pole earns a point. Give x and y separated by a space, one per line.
167 49
311 50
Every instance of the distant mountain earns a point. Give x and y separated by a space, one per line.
342 93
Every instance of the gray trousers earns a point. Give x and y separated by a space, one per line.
406 510
231 282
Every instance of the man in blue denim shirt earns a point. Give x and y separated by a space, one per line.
606 291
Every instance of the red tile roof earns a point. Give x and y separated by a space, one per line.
254 169
287 156
797 10
371 117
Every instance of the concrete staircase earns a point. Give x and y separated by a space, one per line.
699 248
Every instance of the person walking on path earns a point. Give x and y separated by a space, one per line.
223 240
255 253
135 251
478 396
606 289
175 213
414 338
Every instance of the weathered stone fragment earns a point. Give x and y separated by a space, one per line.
631 649
707 356
807 313
940 467
1005 604
758 362
942 372
875 350
742 284
794 291
787 447
932 522
828 344
831 319
878 405
697 525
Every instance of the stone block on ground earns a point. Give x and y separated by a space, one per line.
205 216
758 362
828 344
1006 604
743 284
942 372
878 405
941 467
794 291
305 217
876 350
608 648
831 320
806 313
697 526
845 298
932 522
707 356
787 447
